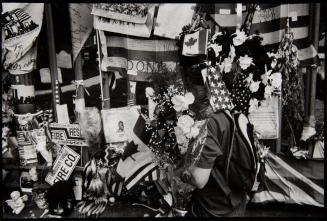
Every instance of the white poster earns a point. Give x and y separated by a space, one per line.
20 28
81 23
118 123
171 18
266 119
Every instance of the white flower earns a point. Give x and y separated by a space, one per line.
185 122
180 137
249 79
245 61
217 48
270 54
181 103
265 77
276 79
226 65
268 91
216 35
273 63
194 132
239 38
149 92
254 86
254 103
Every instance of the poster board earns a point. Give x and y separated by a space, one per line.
267 121
63 166
118 123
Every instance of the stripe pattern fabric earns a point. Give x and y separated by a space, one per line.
270 21
283 183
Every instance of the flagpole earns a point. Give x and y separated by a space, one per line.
52 58
100 71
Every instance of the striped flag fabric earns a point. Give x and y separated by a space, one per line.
270 21
138 57
291 182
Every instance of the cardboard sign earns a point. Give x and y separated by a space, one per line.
63 166
67 134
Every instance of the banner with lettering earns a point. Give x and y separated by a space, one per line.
81 23
21 25
138 57
118 24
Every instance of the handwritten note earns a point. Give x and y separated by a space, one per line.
266 119
81 22
19 41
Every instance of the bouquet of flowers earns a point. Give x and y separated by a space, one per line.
173 122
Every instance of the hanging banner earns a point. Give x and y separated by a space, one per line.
138 57
81 23
129 12
124 27
21 26
171 18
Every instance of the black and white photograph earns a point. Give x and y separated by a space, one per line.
163 109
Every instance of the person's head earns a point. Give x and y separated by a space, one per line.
120 124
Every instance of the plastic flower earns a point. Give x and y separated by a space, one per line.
276 79
265 77
217 48
245 61
185 122
181 103
239 38
273 63
249 79
216 35
181 138
194 132
254 86
254 103
149 92
226 65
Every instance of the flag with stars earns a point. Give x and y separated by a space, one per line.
220 97
241 94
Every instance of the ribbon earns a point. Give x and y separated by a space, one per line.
78 83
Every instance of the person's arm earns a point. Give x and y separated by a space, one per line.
199 176
200 172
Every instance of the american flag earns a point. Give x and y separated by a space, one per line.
270 21
291 181
220 97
